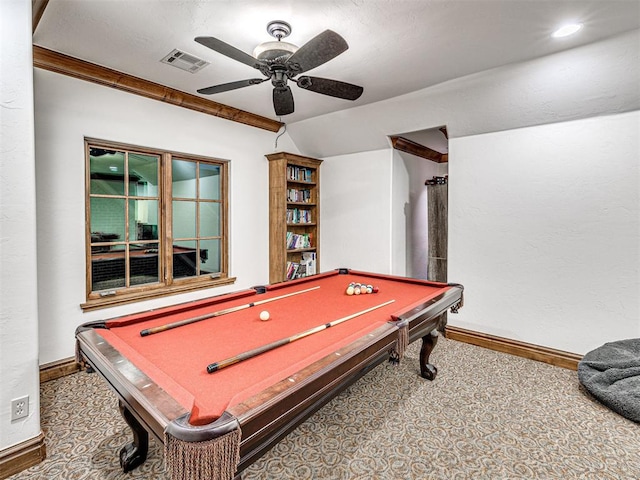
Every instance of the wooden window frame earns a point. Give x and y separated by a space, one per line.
166 285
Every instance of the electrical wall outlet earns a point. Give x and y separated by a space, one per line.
20 408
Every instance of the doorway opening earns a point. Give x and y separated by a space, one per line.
424 155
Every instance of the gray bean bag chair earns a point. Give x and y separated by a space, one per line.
611 373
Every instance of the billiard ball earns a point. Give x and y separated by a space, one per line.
264 315
350 290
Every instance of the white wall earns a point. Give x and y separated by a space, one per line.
544 232
18 279
355 230
400 198
67 110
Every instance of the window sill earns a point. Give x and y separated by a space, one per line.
126 298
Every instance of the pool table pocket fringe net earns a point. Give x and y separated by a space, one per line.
216 458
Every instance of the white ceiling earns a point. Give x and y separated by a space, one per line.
396 46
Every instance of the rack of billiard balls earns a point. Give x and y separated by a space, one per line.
360 288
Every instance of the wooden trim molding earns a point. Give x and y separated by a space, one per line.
59 369
74 67
551 356
409 146
22 456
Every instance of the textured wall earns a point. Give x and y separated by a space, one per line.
544 225
18 280
67 110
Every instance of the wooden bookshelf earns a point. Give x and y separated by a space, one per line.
294 213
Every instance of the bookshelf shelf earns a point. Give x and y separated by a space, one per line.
297 182
294 222
300 250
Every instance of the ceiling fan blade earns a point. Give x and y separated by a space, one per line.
282 100
320 49
229 51
225 87
333 88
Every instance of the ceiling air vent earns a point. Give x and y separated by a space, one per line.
184 61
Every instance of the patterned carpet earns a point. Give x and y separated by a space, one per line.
486 416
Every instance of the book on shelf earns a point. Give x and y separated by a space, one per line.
299 174
294 270
298 240
297 195
309 261
298 215
304 268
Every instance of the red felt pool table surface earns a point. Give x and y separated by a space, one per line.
176 359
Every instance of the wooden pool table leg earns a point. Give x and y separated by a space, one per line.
133 454
427 370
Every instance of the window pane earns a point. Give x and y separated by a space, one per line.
136 227
209 181
107 269
106 171
144 266
184 219
185 260
209 256
107 219
183 179
143 175
143 220
209 219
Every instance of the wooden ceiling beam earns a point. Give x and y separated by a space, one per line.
405 145
74 67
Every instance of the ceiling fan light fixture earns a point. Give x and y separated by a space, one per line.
275 49
270 51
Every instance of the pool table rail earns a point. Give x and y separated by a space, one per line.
149 403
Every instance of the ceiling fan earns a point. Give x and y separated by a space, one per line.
281 61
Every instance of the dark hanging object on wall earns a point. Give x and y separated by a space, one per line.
437 207
437 181
281 61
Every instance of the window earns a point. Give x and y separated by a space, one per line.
156 223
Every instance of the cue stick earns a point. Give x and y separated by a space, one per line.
180 323
214 367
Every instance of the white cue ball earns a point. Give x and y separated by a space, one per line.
264 315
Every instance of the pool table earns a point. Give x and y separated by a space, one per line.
223 421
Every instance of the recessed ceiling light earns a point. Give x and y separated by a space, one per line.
567 30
